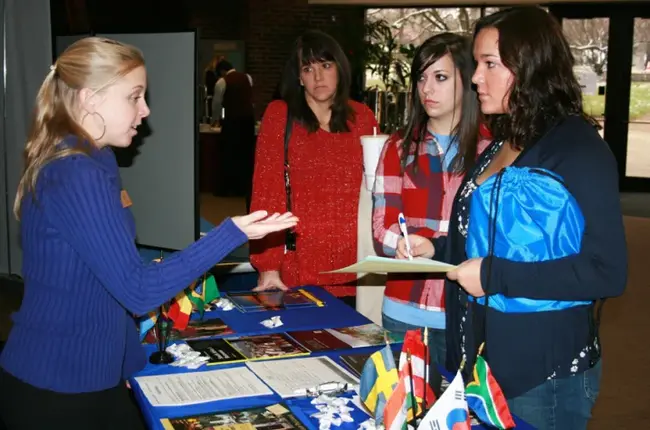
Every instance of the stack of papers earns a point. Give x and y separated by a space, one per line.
289 377
179 389
374 264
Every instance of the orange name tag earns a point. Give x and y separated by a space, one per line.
126 200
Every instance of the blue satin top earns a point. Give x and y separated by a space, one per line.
529 216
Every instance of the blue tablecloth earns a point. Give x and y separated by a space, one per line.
333 315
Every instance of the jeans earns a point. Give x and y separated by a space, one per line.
560 404
437 347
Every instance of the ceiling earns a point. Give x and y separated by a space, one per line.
452 3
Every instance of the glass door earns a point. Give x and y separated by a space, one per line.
589 39
611 45
637 164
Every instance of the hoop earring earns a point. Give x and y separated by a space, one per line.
103 123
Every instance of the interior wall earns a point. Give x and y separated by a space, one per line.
158 170
4 194
27 56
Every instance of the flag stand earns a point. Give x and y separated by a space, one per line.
162 327
162 330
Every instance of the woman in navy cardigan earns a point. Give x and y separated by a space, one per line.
74 340
548 363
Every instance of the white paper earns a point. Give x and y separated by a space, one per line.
374 264
190 388
287 376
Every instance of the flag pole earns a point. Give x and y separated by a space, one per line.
427 359
204 284
413 400
161 356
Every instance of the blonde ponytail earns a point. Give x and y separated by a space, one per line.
93 63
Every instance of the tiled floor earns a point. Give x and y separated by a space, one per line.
624 401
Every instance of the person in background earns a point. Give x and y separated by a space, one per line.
74 340
240 99
419 172
547 361
325 170
234 93
209 80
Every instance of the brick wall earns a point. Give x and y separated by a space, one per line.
268 28
273 25
218 19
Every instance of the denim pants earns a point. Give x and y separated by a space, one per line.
560 404
437 347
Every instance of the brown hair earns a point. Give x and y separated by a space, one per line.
545 90
314 46
467 131
94 63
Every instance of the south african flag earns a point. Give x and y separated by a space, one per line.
485 398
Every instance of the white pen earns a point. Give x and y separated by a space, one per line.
402 226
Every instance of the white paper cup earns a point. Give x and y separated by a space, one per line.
370 181
372 147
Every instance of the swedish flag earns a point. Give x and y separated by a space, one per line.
378 380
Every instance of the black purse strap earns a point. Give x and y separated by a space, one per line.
290 234
287 138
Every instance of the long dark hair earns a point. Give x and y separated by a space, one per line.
467 129
316 47
544 90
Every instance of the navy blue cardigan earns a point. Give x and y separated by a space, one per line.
523 350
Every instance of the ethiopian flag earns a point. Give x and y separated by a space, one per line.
180 310
485 398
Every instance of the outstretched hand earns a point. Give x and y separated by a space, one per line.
258 224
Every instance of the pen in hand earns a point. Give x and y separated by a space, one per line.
402 226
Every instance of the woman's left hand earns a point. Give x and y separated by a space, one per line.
259 223
468 275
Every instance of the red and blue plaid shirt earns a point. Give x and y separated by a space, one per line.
425 198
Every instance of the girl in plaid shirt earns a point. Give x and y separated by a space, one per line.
419 172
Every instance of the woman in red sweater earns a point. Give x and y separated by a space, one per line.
325 170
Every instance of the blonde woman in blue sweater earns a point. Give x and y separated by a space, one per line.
74 340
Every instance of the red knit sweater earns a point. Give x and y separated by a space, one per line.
326 172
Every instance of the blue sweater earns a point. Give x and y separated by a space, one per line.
524 349
84 279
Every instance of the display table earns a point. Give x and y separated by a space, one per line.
334 314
